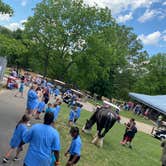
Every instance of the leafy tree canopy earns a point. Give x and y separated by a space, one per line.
5 8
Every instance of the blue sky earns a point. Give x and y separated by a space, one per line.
147 17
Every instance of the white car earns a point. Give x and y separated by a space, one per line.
160 134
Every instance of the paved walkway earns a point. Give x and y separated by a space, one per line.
11 110
140 126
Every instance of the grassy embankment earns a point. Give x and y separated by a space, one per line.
146 150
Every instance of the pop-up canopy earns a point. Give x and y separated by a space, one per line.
158 102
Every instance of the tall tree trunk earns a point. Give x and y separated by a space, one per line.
66 69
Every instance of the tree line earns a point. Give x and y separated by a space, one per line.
86 47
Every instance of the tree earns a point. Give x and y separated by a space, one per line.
154 82
60 29
12 49
84 46
5 8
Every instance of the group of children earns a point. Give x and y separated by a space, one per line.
17 143
17 138
74 114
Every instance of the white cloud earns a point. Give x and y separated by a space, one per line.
16 25
13 26
117 6
23 2
23 21
164 3
123 19
4 17
151 39
164 38
149 14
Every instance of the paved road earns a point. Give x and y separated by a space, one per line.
11 110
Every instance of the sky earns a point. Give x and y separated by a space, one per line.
146 17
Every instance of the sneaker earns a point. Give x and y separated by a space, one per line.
16 159
130 146
5 160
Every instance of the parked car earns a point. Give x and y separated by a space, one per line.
160 134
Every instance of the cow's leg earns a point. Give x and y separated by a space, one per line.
100 142
96 137
101 137
95 140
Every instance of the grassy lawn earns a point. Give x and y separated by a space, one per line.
129 114
146 150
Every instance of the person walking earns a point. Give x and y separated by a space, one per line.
43 139
32 101
21 89
17 138
75 147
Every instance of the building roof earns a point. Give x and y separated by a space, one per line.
156 102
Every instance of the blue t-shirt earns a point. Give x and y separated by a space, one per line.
75 147
72 115
48 109
18 135
56 91
56 111
41 106
43 140
32 100
21 86
78 112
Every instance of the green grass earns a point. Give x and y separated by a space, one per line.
146 149
130 114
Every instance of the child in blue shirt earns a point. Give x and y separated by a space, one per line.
72 115
40 109
21 89
17 138
56 109
56 92
78 112
75 147
43 140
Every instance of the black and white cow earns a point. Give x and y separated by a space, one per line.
104 118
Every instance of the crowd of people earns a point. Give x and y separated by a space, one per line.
137 109
44 139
